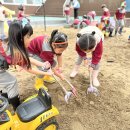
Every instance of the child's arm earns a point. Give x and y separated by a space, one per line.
24 15
38 72
38 63
58 74
97 54
59 60
80 52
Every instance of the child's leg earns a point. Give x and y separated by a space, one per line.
9 84
76 67
75 13
111 31
117 27
67 19
95 75
121 26
39 81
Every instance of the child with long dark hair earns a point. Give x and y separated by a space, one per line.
16 54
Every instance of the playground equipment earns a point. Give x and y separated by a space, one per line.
35 113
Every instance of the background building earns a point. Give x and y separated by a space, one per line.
55 7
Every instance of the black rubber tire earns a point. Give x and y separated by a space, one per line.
47 123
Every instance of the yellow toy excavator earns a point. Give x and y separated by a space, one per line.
35 113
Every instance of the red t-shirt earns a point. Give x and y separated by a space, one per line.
76 21
36 47
67 10
18 60
92 14
120 14
96 54
7 57
106 13
20 15
86 21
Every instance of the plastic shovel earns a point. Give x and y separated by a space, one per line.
73 89
91 88
67 93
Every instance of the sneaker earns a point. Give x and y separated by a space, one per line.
48 79
73 74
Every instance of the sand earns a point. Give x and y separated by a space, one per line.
110 110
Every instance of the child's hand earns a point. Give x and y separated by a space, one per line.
49 73
59 69
46 65
85 62
90 69
59 74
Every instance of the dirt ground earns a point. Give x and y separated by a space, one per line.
110 110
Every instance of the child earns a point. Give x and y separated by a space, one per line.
106 12
111 27
76 23
21 14
85 22
67 13
44 48
104 25
92 15
89 39
119 18
15 53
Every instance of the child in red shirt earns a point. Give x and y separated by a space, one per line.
15 53
76 23
92 15
21 13
67 13
44 48
106 12
119 18
85 22
89 39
